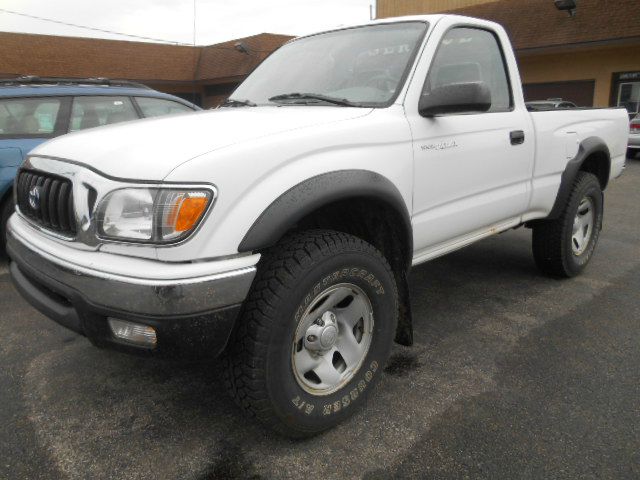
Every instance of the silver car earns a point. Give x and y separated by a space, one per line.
634 137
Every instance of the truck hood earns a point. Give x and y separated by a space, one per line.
150 149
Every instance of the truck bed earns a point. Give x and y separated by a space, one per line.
559 134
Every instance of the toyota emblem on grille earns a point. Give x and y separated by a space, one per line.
34 197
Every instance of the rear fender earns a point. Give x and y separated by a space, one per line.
588 147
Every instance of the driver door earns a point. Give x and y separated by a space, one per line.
472 170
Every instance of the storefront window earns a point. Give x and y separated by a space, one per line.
629 96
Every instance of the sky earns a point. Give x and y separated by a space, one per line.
172 20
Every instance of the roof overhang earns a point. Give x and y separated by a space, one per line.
570 47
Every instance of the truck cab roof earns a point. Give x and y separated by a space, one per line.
430 19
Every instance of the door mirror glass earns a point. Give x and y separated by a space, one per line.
468 97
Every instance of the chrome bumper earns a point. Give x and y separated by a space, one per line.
136 295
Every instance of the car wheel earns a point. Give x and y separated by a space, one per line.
563 247
315 332
6 210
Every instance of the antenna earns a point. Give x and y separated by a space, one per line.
241 47
194 23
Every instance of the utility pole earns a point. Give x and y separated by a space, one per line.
194 93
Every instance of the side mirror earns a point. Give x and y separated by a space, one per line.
456 98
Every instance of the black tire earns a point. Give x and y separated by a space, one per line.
552 239
259 373
631 153
6 210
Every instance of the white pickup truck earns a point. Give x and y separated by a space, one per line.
280 230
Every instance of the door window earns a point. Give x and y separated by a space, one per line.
89 112
34 117
471 55
156 107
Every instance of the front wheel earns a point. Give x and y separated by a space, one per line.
563 247
314 334
6 210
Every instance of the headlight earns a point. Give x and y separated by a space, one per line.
151 215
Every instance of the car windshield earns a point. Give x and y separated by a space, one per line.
362 66
30 117
540 105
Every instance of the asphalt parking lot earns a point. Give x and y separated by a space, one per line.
513 375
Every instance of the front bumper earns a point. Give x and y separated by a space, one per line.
193 317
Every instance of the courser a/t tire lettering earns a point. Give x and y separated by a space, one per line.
322 301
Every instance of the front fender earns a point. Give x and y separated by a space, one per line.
7 175
304 198
10 160
267 184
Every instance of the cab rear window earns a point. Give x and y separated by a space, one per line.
28 117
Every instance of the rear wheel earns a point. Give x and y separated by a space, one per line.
314 334
563 247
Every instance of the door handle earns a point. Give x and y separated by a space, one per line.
517 137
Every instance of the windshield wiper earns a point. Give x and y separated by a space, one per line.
234 102
314 96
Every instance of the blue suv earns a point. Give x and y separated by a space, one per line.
33 110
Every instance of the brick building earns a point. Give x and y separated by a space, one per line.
205 75
591 58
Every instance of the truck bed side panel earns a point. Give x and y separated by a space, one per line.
558 136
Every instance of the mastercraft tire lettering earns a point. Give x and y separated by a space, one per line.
316 329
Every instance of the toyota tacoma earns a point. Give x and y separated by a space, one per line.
278 232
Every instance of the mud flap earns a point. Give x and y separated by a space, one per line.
404 330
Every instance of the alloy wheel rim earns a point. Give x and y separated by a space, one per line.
583 224
332 339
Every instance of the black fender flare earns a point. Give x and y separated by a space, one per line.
304 198
587 147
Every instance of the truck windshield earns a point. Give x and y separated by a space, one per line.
362 67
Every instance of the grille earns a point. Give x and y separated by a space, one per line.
47 200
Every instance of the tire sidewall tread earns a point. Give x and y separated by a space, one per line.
552 248
259 374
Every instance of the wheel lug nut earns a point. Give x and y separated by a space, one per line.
319 322
311 338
